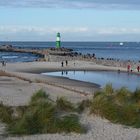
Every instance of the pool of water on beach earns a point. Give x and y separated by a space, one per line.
128 80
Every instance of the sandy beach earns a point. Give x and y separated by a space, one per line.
70 70
25 79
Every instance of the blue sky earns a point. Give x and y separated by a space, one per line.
76 20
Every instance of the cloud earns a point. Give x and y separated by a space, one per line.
36 33
81 31
41 30
102 4
117 31
51 30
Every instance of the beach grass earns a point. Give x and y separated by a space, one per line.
42 115
5 114
118 106
83 105
64 105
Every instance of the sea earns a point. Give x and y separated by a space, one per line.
115 50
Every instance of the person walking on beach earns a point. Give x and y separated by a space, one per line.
66 62
3 63
128 68
62 63
138 68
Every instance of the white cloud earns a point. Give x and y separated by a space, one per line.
50 30
41 30
118 31
68 33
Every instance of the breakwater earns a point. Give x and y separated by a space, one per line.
44 54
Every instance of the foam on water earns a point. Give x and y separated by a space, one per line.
17 57
9 57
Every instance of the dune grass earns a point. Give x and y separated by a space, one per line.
64 105
83 105
119 106
5 114
69 123
42 115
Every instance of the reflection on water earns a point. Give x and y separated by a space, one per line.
118 79
64 73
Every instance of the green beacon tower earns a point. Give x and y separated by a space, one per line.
58 41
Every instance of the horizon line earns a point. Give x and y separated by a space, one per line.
63 41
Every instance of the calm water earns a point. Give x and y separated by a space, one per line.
128 51
131 81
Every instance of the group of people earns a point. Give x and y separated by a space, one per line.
129 68
62 63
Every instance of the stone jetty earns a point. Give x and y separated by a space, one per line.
43 53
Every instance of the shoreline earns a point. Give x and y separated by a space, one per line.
34 69
44 67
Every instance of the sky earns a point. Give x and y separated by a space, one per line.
76 20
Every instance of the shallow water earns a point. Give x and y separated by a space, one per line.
128 80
